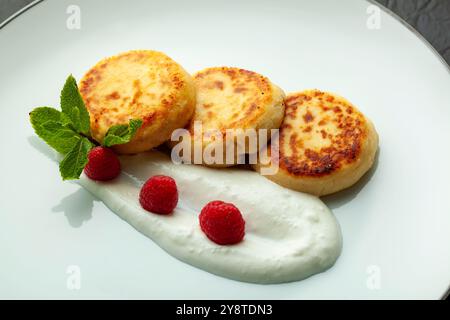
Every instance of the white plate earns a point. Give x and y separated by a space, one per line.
395 223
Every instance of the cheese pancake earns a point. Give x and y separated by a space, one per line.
325 144
233 98
143 84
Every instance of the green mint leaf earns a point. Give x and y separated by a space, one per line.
43 114
60 137
65 121
121 133
74 162
47 124
72 105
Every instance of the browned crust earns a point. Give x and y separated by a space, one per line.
110 108
242 82
344 146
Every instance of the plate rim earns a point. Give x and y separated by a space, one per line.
18 13
386 10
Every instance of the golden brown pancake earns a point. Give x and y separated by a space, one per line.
233 98
143 84
325 144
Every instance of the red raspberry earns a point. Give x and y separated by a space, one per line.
103 164
159 195
222 222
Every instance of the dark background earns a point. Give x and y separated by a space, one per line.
431 18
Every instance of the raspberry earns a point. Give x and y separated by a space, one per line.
222 222
103 164
159 195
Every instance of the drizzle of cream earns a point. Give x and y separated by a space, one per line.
289 235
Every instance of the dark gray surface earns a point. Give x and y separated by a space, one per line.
9 7
430 17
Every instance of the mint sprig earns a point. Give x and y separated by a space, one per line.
72 105
68 131
121 133
48 126
75 160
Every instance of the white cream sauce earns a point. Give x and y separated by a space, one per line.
289 235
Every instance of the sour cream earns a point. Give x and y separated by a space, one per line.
289 235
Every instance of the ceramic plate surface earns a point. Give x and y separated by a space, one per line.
395 222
